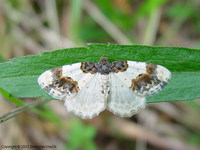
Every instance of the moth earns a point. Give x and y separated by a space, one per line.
89 88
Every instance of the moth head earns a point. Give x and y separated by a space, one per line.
103 59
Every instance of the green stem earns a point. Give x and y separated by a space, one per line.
21 109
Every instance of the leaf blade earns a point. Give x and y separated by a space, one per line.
19 76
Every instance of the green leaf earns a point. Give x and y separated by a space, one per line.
19 76
16 101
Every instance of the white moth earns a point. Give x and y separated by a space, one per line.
89 88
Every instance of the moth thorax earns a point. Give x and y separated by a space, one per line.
103 67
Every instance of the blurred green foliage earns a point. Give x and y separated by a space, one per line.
2 59
119 16
148 6
80 136
19 5
187 12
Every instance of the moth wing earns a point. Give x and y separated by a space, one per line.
92 99
153 85
122 101
64 82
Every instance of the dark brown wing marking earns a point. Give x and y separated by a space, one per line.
63 84
145 81
119 66
88 67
